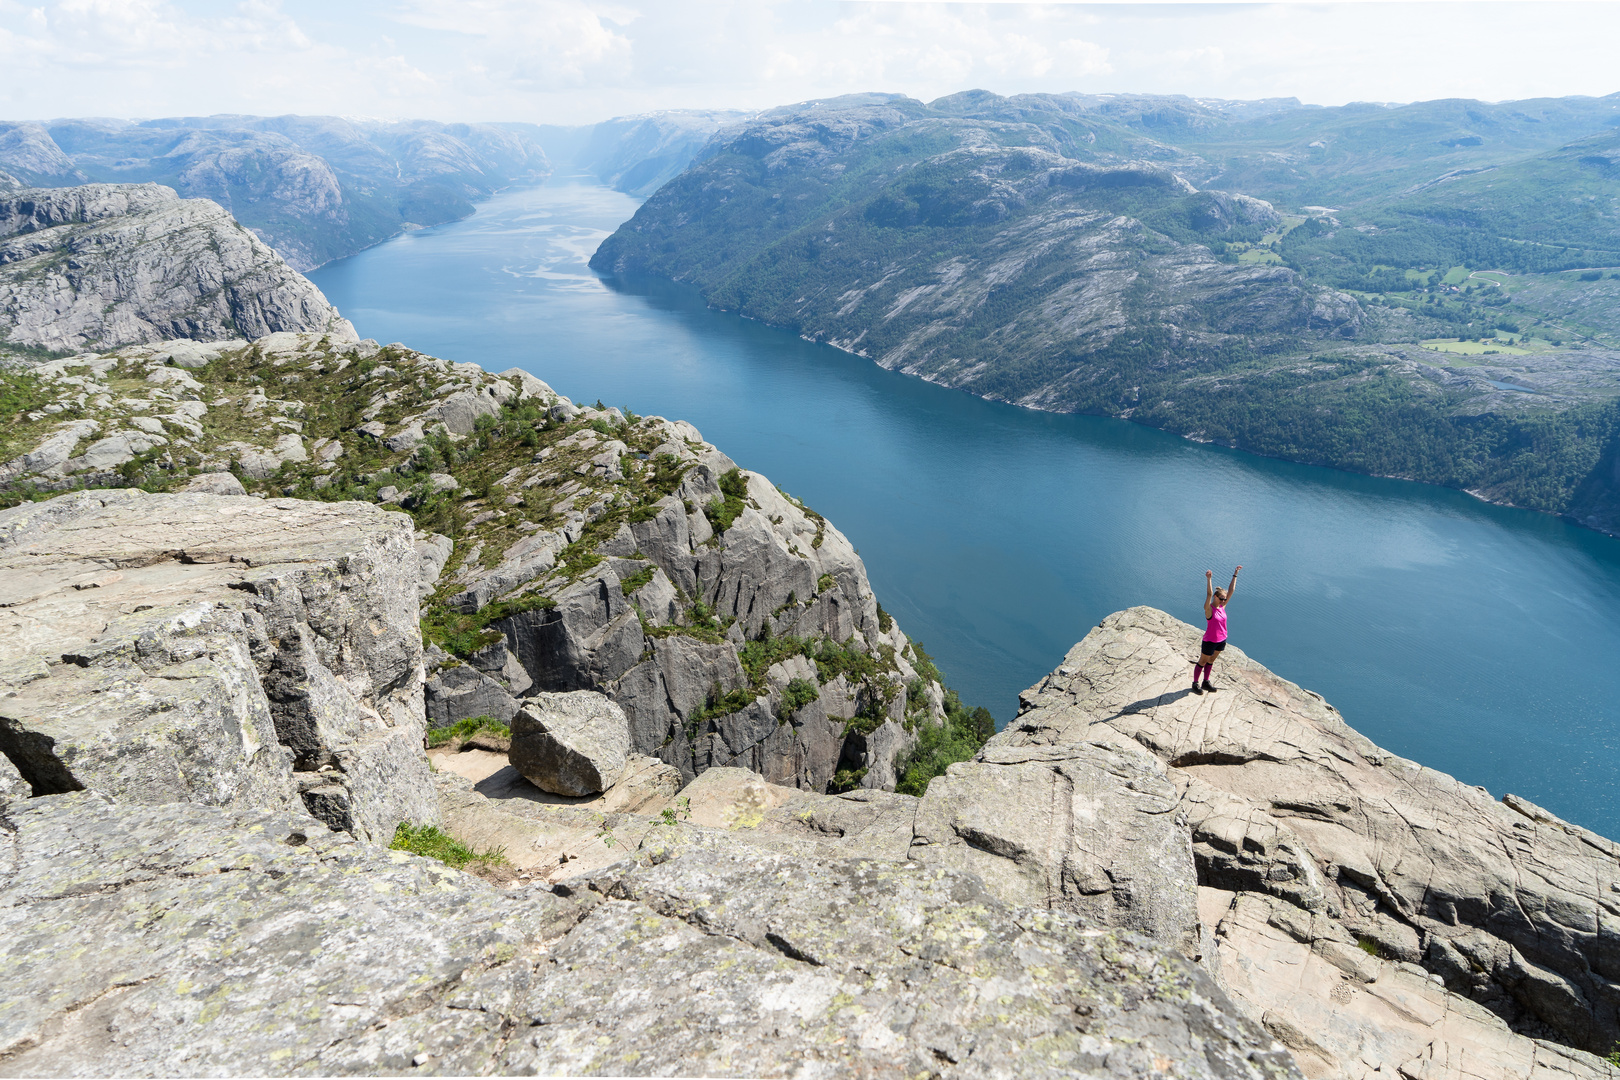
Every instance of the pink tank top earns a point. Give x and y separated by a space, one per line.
1217 626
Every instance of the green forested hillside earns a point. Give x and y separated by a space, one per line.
1419 291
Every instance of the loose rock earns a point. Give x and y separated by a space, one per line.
570 743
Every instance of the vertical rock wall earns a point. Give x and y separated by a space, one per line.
220 650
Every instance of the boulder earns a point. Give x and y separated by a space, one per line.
228 651
529 386
570 743
252 942
215 483
52 452
407 438
460 411
432 552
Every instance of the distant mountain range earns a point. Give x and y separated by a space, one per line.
1427 291
317 188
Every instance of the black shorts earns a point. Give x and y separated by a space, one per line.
1210 648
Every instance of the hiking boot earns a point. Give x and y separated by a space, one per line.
1195 689
1208 687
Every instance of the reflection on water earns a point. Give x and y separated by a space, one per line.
1477 640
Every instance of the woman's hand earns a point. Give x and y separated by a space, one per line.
1209 575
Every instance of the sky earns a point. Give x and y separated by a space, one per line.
580 61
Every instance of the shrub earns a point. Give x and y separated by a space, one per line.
798 694
667 473
924 663
720 704
833 660
845 780
722 512
579 557
941 745
758 656
462 635
637 579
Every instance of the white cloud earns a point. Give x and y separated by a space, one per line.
582 60
529 45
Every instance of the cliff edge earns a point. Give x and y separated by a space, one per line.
1364 907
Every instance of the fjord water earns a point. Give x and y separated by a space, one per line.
1478 640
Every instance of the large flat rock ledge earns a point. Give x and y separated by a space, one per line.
221 650
247 942
1370 911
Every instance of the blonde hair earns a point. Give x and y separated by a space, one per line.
1220 594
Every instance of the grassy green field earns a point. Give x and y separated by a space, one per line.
1474 348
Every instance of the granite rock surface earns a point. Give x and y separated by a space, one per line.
219 650
1366 907
105 265
587 548
570 744
253 942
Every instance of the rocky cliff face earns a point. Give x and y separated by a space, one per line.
591 550
1376 917
105 265
218 650
640 154
198 686
1005 254
1081 254
1365 907
1127 881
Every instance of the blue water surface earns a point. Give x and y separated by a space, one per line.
1479 640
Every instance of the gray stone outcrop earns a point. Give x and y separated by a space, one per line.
243 941
570 744
1370 909
655 610
1089 828
219 650
105 265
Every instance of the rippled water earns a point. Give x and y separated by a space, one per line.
1478 640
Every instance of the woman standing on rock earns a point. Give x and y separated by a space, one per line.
1214 637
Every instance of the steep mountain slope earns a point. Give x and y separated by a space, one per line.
314 187
103 265
1055 252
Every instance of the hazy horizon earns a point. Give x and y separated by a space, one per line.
582 61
